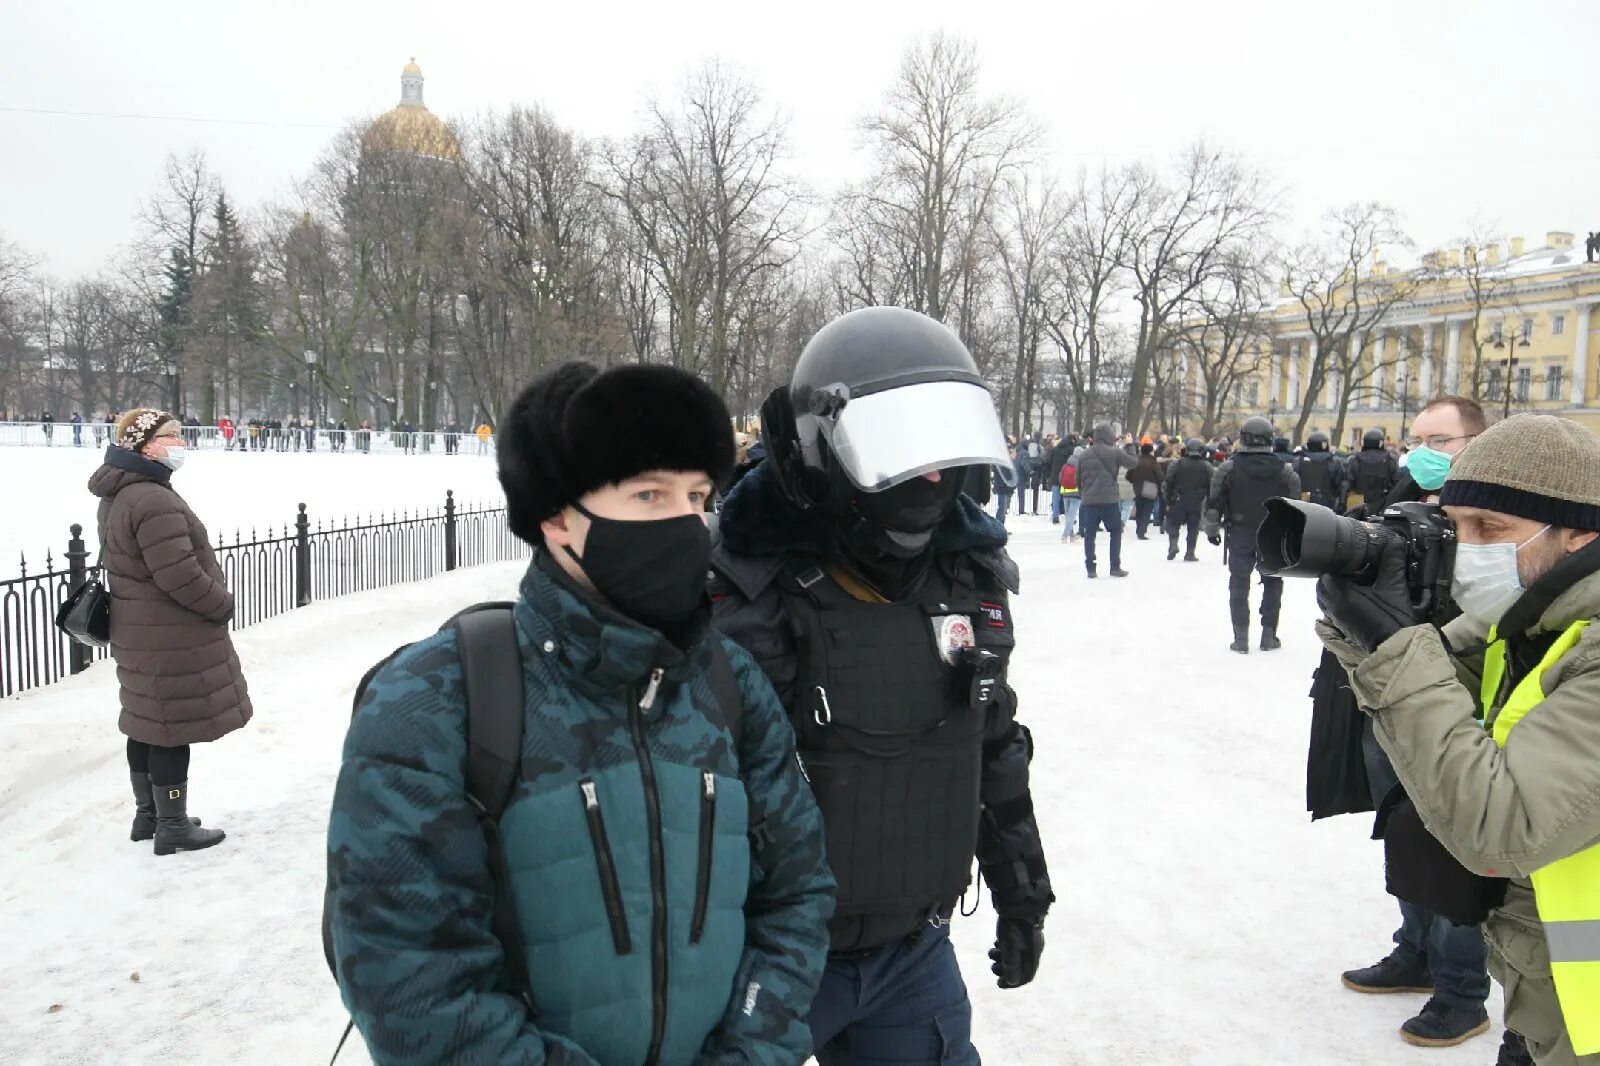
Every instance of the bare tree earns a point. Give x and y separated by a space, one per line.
941 151
1343 293
1026 241
1179 235
1486 284
1226 334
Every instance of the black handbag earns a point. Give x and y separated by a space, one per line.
1418 869
86 615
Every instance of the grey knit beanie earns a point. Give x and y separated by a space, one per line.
1539 467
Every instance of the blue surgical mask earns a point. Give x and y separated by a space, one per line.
1485 583
1428 467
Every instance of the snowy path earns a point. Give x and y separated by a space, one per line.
1201 919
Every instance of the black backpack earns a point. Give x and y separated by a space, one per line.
491 673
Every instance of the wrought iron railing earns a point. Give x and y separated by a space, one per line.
392 441
269 574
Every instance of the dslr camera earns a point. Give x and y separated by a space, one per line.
1299 539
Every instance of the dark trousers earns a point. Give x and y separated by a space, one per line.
1455 954
1174 524
1095 515
1002 505
903 1004
1143 509
166 766
1241 564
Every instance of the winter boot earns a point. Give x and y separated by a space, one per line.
144 815
1513 1051
1393 974
1091 571
174 831
1241 640
1443 1025
1269 638
1191 557
1172 551
1117 571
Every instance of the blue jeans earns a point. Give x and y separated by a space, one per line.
1126 507
1002 505
903 1004
1055 505
1069 513
1108 515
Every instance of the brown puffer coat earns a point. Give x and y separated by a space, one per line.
181 681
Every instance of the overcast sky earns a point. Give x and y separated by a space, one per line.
1446 109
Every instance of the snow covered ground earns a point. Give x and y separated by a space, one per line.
1201 918
233 490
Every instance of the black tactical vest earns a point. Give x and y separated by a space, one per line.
1372 478
890 730
1316 478
1255 479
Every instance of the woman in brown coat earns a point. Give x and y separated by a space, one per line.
180 679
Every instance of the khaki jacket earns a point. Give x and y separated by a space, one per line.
1500 812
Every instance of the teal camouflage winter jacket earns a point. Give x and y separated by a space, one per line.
647 918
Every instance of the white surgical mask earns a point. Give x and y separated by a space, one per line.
1485 583
174 457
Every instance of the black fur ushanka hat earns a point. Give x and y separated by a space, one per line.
578 428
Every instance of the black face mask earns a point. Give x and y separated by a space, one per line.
907 514
654 571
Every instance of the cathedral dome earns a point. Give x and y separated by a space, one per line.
410 127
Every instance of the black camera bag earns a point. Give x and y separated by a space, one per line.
1419 870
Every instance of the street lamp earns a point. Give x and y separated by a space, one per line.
311 387
1511 361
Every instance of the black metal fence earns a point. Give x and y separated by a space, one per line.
268 575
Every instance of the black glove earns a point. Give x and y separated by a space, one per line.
1215 537
1018 944
1371 614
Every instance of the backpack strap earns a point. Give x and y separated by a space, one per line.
491 674
725 688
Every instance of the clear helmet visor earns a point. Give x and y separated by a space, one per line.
885 438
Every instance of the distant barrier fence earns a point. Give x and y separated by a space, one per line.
260 439
268 575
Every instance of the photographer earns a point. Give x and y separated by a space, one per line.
1348 773
1503 771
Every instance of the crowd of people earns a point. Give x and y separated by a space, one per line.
279 435
746 843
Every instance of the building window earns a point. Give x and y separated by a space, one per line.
1255 393
1491 386
1524 383
1558 325
1555 381
1527 329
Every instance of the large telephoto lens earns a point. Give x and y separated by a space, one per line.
1299 539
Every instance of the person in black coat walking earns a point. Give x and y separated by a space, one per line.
1187 484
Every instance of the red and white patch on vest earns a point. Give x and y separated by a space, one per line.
953 634
995 613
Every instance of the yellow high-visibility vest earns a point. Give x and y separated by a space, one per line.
1567 892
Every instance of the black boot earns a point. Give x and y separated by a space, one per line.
1393 974
1172 551
1443 1025
144 815
1513 1051
1269 638
174 831
1241 640
1191 557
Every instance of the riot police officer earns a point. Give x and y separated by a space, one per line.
1240 489
1187 486
1322 476
839 558
1374 471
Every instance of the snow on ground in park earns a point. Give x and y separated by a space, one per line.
232 491
1200 917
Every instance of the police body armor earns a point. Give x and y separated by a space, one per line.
1372 475
1188 482
1256 478
1317 480
889 715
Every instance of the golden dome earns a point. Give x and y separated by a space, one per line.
411 127
414 130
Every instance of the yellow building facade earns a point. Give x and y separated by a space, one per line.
1535 314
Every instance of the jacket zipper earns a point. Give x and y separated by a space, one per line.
609 889
658 872
702 883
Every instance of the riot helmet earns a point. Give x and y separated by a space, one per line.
1317 442
1194 448
880 398
1372 440
1256 434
